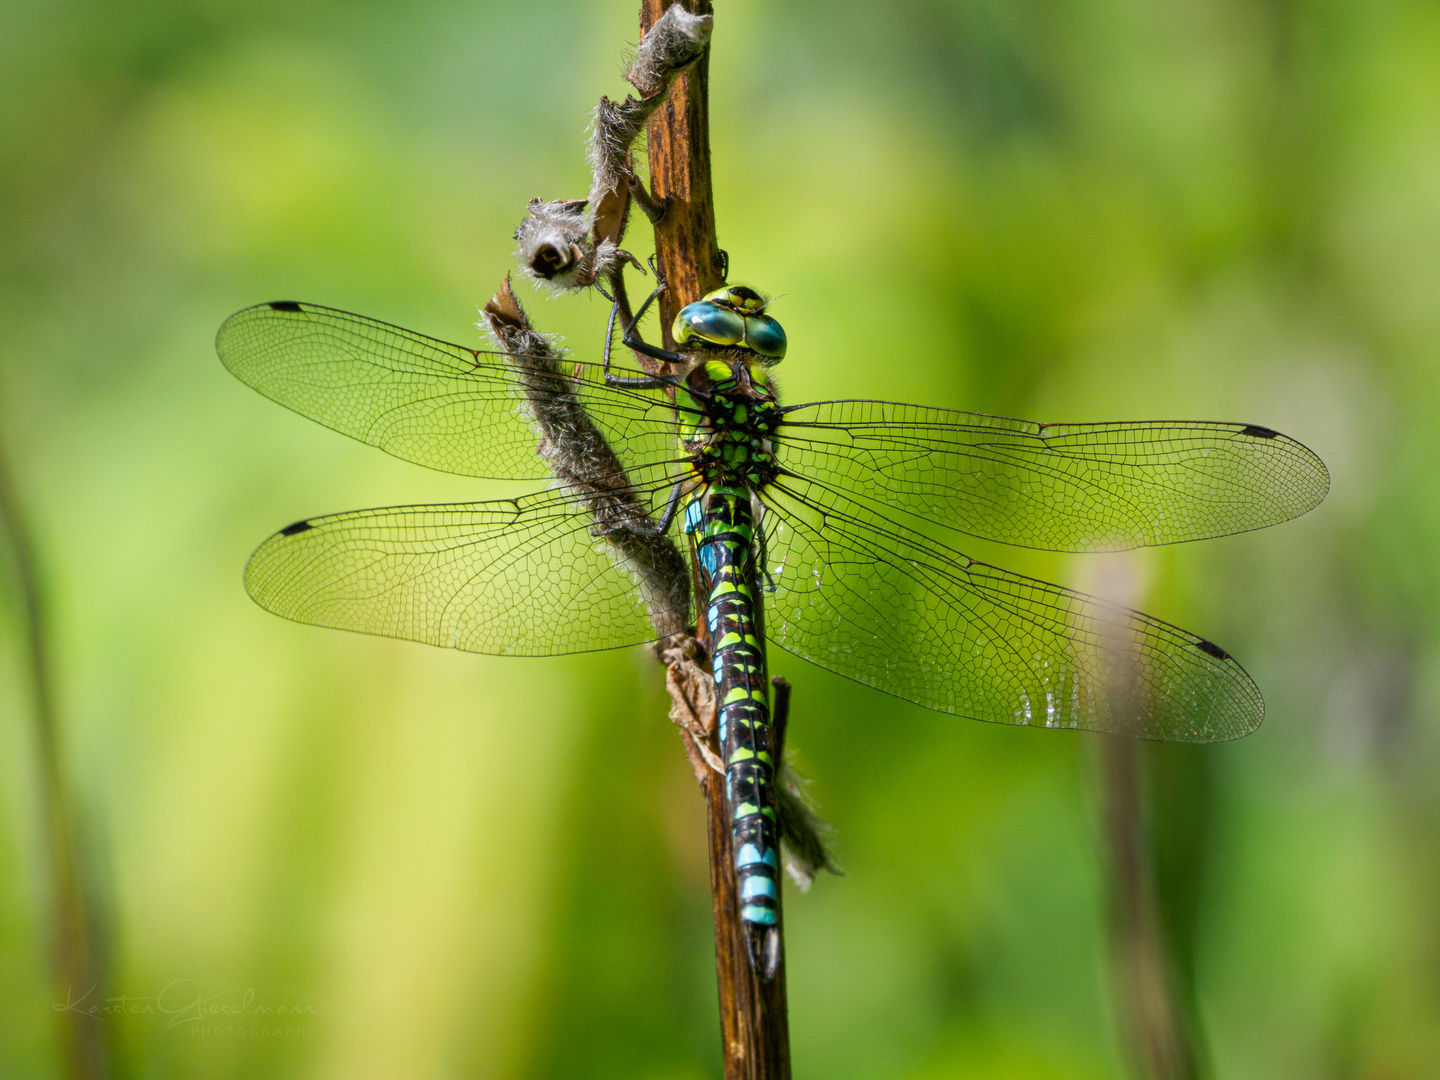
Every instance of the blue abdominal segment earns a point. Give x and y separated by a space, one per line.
725 542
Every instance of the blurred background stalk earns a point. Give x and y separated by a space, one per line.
1153 805
1154 1002
76 940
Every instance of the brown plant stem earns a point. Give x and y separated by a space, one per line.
77 961
754 1027
679 152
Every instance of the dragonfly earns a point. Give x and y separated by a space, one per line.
826 528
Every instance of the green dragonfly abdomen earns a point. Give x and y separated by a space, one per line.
720 522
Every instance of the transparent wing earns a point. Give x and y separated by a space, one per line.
519 577
427 401
875 602
1060 487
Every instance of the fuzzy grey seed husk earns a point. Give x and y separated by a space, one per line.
555 248
677 39
614 127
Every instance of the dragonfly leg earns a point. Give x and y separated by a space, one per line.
663 525
660 528
762 557
632 340
767 582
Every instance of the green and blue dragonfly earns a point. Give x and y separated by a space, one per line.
812 526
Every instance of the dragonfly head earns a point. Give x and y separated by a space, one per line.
733 317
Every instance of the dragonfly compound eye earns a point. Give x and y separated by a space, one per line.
707 322
764 335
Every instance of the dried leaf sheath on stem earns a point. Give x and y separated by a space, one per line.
587 466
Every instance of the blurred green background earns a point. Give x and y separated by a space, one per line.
466 866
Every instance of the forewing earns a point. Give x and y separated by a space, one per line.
1060 487
875 602
519 577
427 401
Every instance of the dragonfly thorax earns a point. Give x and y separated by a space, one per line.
729 413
